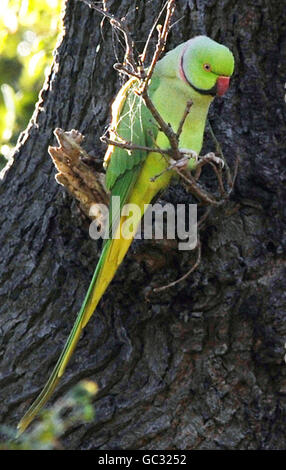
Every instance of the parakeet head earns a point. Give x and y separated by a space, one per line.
206 66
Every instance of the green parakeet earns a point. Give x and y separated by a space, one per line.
196 70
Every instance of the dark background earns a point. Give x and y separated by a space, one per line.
201 365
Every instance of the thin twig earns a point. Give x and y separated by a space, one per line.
230 178
166 128
219 178
130 146
204 217
220 152
143 89
193 268
119 24
177 164
184 117
120 68
163 34
129 56
144 53
196 190
236 165
216 142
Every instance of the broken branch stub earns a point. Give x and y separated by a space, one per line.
81 180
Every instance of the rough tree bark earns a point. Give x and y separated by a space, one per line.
200 366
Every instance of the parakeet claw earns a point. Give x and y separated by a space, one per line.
211 157
183 163
188 154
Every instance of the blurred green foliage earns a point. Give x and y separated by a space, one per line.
74 408
28 35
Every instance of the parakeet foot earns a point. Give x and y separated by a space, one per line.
188 161
211 157
190 157
182 164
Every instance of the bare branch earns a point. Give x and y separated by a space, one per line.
144 53
185 276
184 117
236 165
220 152
130 146
166 128
120 68
197 191
85 184
219 178
162 39
119 24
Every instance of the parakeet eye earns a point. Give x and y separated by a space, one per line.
207 67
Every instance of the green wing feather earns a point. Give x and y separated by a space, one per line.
136 125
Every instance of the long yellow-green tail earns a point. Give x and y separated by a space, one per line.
66 353
111 257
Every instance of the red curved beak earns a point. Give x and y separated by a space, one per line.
222 85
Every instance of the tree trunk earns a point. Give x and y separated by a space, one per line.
201 365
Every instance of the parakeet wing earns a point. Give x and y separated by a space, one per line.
131 122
